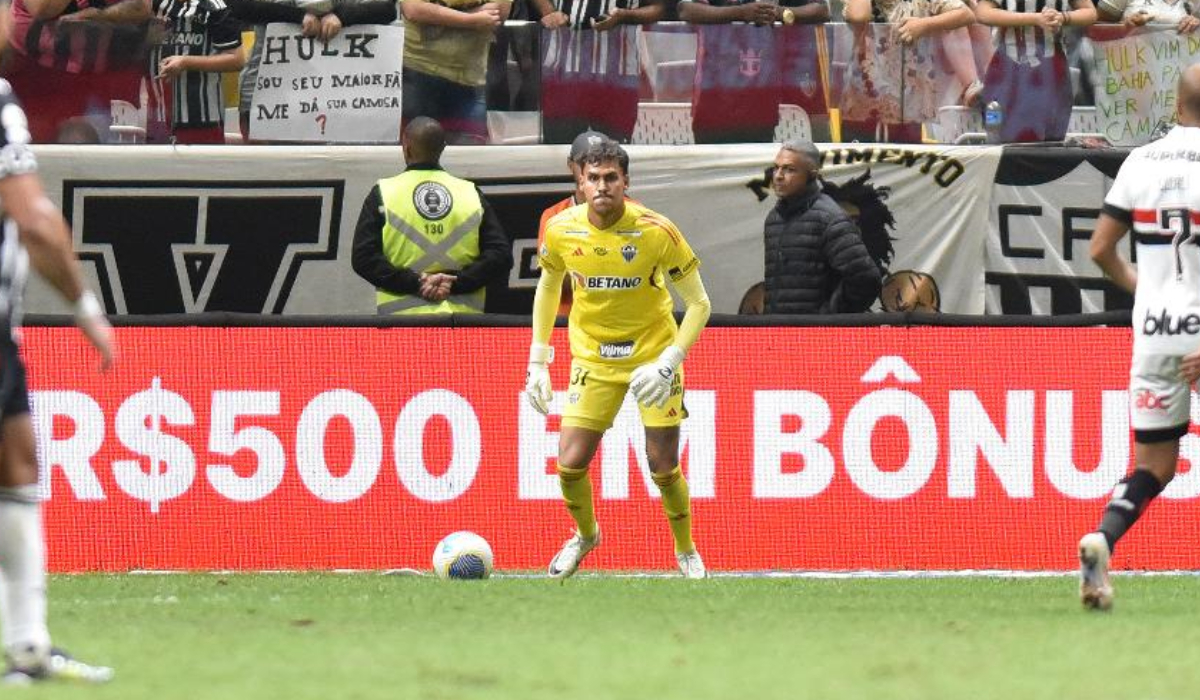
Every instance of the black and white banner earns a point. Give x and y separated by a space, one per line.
925 200
1044 205
970 229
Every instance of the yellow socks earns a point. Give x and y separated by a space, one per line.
677 505
577 492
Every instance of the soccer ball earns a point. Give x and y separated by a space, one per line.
462 555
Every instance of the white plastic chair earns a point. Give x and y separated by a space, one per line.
128 122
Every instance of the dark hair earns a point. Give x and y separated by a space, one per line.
426 138
875 219
603 152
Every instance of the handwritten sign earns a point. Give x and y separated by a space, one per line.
344 91
1138 74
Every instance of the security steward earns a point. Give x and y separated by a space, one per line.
428 241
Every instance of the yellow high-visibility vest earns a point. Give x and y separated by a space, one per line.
432 225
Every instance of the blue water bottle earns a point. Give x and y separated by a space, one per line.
993 120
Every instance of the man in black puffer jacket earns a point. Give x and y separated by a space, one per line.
816 262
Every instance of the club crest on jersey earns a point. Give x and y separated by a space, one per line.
628 252
432 200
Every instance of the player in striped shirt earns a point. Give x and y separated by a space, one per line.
1156 195
34 233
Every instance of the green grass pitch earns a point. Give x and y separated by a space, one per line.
346 636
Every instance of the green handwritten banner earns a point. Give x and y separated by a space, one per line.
1137 76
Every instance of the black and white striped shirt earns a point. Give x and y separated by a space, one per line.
586 52
194 28
582 12
1029 45
16 158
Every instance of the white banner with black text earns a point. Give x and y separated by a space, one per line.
346 90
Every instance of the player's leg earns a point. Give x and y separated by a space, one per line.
26 638
23 629
1160 408
593 399
1156 462
1155 468
662 454
576 447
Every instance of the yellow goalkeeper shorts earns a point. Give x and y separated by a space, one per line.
597 392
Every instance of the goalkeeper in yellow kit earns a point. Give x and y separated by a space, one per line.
623 335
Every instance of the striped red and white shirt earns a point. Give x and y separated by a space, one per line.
1157 194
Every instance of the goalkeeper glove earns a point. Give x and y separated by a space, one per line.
537 381
651 383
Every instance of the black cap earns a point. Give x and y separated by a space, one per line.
584 141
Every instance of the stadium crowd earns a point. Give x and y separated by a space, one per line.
169 71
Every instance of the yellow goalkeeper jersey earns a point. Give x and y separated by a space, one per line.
621 311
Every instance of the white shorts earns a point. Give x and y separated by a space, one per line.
1160 403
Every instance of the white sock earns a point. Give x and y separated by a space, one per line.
22 573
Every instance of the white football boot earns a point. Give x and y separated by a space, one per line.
691 565
26 667
566 562
1095 592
